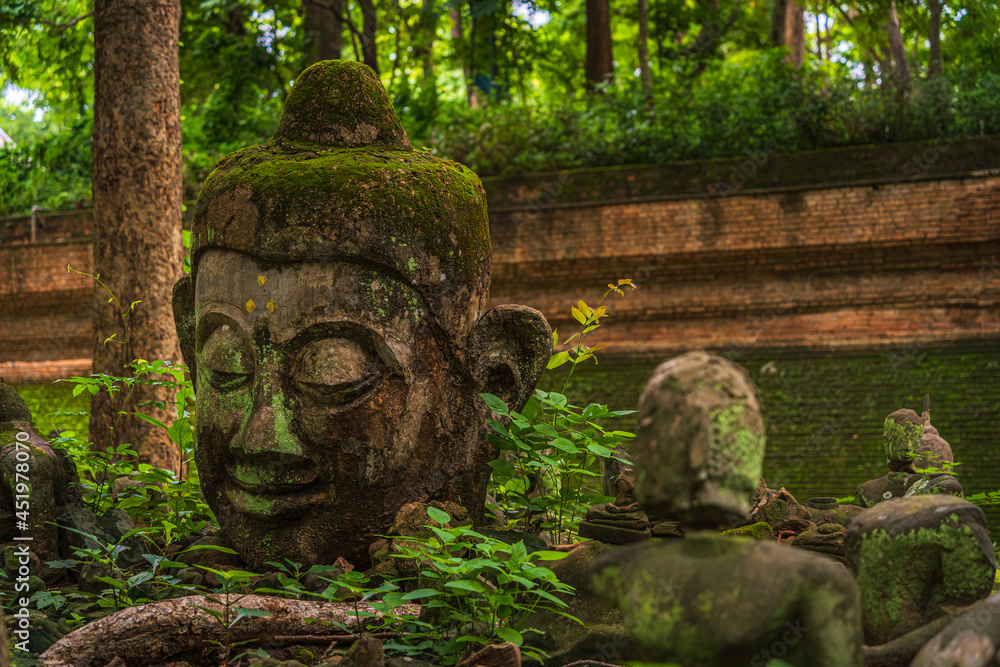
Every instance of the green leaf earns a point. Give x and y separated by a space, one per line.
564 445
152 420
598 450
557 360
420 593
466 585
438 516
496 404
510 635
548 555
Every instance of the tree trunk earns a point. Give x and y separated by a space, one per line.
137 208
900 65
599 67
645 75
778 22
455 12
369 29
324 30
795 34
788 30
936 66
428 26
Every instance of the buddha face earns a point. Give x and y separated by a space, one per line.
326 399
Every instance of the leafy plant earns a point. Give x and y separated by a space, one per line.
551 449
480 589
234 582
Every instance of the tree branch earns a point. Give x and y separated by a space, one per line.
62 27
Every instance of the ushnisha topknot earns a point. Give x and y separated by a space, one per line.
340 182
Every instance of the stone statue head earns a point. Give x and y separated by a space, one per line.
901 436
333 324
699 448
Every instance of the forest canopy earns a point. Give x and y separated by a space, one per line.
510 86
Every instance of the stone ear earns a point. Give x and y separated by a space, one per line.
509 350
184 320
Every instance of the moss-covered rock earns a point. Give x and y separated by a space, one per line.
759 532
710 600
916 558
602 636
12 407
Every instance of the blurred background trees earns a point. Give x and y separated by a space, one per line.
509 86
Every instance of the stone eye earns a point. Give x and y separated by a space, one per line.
336 371
223 357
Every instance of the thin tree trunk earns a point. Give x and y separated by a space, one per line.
369 30
901 66
599 67
778 22
935 66
795 34
324 30
137 207
428 25
645 75
455 12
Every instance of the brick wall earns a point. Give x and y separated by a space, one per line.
849 282
847 248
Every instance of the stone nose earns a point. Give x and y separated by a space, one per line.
268 430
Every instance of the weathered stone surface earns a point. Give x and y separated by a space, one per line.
828 510
711 599
700 444
12 407
971 639
903 484
366 652
603 635
917 558
333 323
761 532
827 539
714 600
778 507
901 436
54 483
507 654
934 451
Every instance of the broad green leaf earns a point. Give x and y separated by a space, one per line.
419 594
465 585
496 404
438 516
510 635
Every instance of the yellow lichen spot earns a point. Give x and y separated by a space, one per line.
251 306
271 306
261 280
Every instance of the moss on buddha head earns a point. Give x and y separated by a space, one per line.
339 181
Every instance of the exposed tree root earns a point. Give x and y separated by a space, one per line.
155 632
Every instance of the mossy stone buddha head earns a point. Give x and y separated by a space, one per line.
699 448
333 323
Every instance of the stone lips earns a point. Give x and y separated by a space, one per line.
339 181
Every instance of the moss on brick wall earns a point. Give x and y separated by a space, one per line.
47 399
824 414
